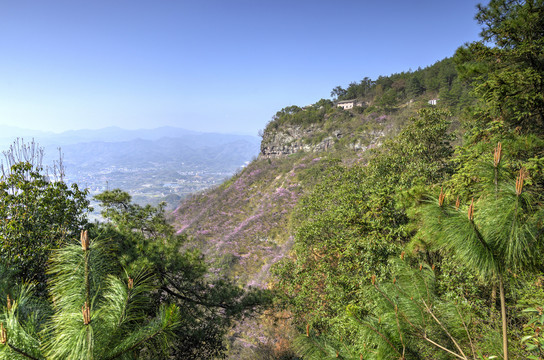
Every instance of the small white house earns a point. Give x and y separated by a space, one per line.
346 104
433 102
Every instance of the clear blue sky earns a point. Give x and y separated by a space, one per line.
210 65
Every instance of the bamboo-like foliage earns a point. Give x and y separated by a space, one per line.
95 315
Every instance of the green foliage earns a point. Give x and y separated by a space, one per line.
313 347
500 237
388 100
414 87
354 221
506 67
500 241
390 92
143 222
345 234
21 324
420 153
294 115
534 333
411 321
408 320
208 306
473 161
497 234
116 326
38 215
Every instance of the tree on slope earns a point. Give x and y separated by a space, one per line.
506 67
498 233
38 212
209 306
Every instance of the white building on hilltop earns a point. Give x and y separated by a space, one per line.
347 104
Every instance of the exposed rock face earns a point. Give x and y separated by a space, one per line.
293 139
375 137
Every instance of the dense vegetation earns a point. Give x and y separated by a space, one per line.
394 95
427 247
434 251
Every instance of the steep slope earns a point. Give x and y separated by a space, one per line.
243 226
246 224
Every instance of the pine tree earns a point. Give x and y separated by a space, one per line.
495 234
408 322
95 315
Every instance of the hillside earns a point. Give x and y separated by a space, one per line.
336 196
244 225
406 225
401 219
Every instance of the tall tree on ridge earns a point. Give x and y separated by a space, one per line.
509 76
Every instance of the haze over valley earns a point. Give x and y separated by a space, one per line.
153 165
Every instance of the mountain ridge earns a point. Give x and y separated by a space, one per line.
112 134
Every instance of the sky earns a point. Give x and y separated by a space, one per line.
207 65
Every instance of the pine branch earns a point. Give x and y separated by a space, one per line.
121 352
315 344
167 319
400 332
21 352
443 328
393 305
380 334
468 333
444 348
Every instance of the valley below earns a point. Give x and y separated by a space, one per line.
152 165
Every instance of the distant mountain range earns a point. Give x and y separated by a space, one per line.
203 150
151 164
109 134
116 144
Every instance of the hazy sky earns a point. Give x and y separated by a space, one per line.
210 65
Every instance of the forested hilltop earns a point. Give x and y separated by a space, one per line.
401 219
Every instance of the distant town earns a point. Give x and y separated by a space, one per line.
153 184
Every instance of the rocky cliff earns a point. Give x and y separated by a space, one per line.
359 134
244 226
296 138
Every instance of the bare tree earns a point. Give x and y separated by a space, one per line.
31 153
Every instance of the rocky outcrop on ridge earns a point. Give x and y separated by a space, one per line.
293 139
